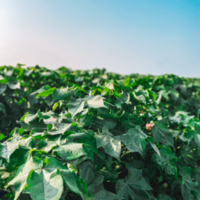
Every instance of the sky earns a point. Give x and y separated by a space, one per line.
124 36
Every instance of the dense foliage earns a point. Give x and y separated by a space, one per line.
94 135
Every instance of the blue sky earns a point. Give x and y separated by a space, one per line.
123 36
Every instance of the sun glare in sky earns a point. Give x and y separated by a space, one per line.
131 36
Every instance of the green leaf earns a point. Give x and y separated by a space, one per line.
76 106
71 151
133 186
153 145
94 182
110 143
71 180
42 186
96 102
133 140
8 148
3 88
45 115
60 129
2 80
42 179
13 85
21 176
110 85
55 105
187 188
48 143
124 99
46 93
140 98
30 117
2 136
164 197
23 117
61 94
109 123
43 91
50 164
104 194
162 134
166 161
2 108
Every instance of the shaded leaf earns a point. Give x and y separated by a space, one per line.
133 186
110 143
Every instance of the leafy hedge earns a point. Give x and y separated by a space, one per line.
95 135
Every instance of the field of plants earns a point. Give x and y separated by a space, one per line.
93 135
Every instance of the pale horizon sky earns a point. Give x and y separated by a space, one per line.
130 36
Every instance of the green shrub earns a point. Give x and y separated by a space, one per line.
98 136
